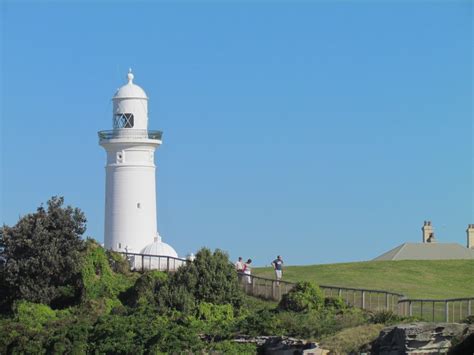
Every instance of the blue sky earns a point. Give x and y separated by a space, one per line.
321 131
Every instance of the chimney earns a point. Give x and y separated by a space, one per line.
470 236
427 230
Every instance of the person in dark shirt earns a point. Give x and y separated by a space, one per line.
278 266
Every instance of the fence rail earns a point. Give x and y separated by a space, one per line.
447 310
142 262
444 310
433 310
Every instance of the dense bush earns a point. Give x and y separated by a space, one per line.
210 278
145 290
41 256
34 316
388 317
304 297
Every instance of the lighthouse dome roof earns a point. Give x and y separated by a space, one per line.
130 90
159 248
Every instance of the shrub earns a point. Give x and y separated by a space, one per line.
232 348
144 292
97 277
304 297
385 317
118 263
209 278
352 340
32 315
262 322
41 255
335 303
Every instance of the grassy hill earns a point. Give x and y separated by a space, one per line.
416 279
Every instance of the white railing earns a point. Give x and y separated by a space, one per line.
130 133
142 262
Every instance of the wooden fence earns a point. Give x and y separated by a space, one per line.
446 310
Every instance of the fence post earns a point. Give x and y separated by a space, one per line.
386 301
143 257
421 310
168 264
469 312
339 293
363 299
410 308
446 311
433 311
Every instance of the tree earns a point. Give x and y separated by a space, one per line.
209 278
303 297
40 256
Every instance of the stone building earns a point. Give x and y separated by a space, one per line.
431 249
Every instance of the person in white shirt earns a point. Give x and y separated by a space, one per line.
239 265
247 270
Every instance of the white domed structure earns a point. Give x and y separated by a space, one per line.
159 248
159 256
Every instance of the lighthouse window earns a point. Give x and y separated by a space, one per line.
123 120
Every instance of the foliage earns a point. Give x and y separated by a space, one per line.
118 263
304 297
468 320
314 324
98 279
144 292
200 308
335 303
351 340
231 348
143 332
209 278
33 315
261 322
41 255
384 317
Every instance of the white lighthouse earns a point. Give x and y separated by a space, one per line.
130 196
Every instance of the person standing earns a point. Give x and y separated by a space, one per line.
278 266
248 270
239 265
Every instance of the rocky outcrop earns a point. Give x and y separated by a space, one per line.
421 338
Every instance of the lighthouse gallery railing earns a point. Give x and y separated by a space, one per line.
130 133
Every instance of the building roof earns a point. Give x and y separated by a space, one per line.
427 251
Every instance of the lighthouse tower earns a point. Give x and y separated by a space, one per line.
130 196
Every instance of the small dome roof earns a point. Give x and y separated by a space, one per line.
130 90
159 248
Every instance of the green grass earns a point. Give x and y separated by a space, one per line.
414 278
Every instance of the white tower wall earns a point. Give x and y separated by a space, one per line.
130 206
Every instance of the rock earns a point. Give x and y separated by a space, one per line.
419 338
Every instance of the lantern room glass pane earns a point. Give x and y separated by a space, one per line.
123 120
